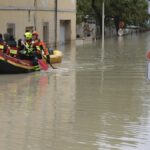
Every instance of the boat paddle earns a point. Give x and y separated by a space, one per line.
49 62
43 65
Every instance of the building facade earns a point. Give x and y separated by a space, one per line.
149 6
55 20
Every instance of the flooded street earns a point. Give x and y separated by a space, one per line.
96 100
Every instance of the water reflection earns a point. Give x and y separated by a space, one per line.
96 100
113 97
35 111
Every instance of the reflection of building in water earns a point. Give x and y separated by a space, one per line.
38 111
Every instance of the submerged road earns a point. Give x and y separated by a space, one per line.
96 100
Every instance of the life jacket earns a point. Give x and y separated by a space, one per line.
13 51
40 47
2 47
36 45
29 48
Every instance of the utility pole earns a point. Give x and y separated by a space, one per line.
56 18
35 15
103 24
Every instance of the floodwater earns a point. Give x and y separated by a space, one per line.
96 100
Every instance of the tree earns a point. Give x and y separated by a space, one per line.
83 9
97 7
130 11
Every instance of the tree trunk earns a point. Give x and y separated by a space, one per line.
98 15
100 24
116 22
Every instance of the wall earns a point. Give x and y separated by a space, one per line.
25 13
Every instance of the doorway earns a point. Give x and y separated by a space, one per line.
46 32
65 31
11 29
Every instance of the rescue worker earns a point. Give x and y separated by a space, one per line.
20 45
6 37
28 51
40 47
3 46
13 51
28 46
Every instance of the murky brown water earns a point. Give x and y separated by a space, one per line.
96 100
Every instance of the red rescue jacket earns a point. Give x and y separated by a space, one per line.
40 46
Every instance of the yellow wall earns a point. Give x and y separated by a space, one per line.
15 3
67 4
22 13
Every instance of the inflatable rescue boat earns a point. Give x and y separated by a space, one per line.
12 65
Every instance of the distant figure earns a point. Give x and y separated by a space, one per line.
86 30
93 34
11 41
13 51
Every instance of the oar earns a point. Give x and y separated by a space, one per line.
49 62
42 64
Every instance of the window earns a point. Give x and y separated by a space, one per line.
11 29
46 32
29 29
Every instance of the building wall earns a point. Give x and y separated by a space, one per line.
15 3
27 13
69 5
27 4
149 6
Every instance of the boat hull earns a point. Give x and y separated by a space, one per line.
10 65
